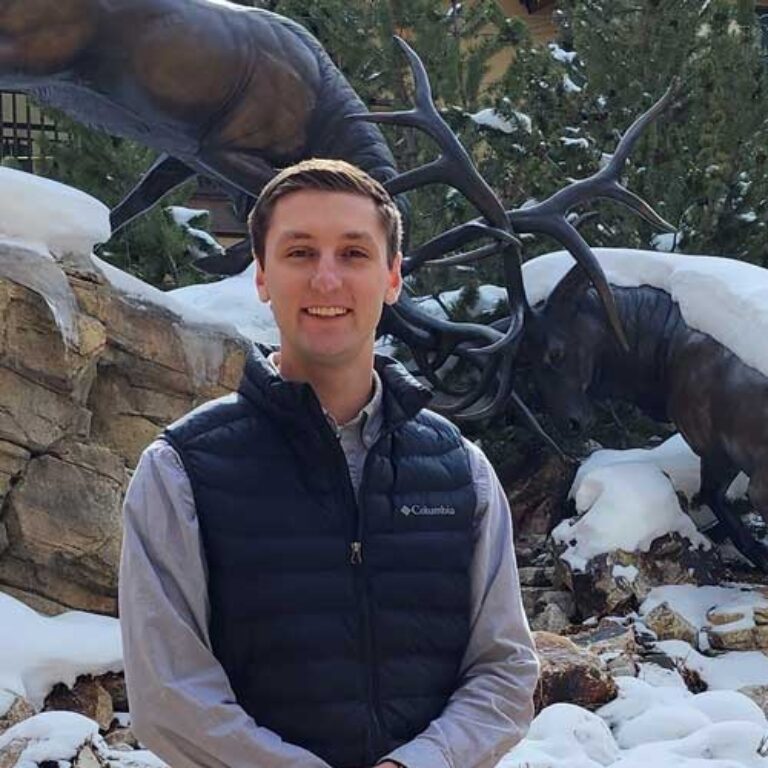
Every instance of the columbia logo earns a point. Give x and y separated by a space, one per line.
420 509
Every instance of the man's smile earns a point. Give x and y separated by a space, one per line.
326 311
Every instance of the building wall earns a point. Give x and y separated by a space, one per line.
539 22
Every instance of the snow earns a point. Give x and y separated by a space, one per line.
570 86
580 143
52 736
488 298
41 651
232 301
724 298
665 241
666 727
48 216
622 506
726 671
561 55
490 118
697 604
57 737
185 217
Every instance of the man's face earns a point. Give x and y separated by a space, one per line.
326 275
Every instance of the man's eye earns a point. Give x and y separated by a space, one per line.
299 253
356 253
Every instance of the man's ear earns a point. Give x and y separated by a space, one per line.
261 283
395 280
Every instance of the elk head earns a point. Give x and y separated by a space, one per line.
565 340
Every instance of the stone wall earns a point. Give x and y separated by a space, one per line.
74 420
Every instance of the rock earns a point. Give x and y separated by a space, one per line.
9 756
552 619
536 599
35 602
74 419
614 643
87 757
536 576
670 625
88 697
19 710
537 487
615 582
751 638
122 739
114 684
570 674
64 518
34 416
13 460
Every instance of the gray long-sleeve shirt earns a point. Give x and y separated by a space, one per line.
182 704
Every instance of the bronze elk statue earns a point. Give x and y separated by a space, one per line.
671 371
223 91
234 93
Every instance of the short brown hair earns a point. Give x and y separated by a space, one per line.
329 176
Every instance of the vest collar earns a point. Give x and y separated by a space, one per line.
295 403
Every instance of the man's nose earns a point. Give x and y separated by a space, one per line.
326 277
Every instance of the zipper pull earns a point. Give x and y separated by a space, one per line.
356 556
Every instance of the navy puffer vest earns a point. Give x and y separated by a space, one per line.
341 624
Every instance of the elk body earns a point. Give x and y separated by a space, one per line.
224 91
672 371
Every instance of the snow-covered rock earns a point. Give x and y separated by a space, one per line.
50 217
36 652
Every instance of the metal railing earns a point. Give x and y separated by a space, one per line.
23 125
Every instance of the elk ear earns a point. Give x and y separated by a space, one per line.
575 282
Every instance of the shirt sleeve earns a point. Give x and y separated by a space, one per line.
492 708
182 704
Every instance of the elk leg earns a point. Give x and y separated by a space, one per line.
165 174
715 480
758 491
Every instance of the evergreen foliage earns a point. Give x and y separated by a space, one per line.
153 247
703 166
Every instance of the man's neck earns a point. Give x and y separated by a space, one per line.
342 391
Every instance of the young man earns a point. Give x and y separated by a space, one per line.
317 571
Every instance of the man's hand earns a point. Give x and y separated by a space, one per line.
389 764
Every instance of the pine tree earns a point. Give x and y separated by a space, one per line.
153 247
703 165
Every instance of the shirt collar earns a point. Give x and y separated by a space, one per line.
367 420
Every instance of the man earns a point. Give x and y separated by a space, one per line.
316 570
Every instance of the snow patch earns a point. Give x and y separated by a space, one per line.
624 506
232 301
41 651
491 118
695 604
48 216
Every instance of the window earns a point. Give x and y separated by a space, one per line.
22 126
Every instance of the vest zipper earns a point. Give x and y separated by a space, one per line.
376 746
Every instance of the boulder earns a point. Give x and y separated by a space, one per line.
668 624
64 523
87 697
614 582
20 709
75 417
570 674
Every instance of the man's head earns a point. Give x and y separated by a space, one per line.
329 176
326 238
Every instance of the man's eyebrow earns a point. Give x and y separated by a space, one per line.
295 234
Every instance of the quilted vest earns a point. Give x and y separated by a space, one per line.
341 623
